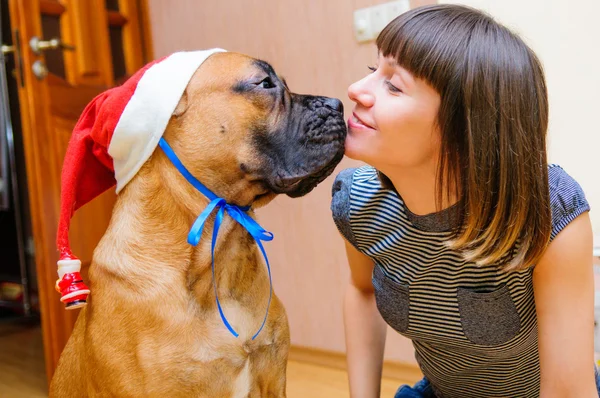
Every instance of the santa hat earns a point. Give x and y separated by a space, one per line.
115 135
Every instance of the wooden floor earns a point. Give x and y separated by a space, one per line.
308 380
22 372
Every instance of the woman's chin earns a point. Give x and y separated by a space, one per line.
354 148
355 153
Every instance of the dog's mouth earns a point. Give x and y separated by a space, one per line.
300 185
303 185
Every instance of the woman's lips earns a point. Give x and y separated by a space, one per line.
356 123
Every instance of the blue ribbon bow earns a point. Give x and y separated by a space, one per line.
238 213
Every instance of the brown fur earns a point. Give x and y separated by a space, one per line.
152 328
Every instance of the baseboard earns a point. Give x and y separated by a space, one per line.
391 369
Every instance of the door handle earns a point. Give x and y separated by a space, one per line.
38 45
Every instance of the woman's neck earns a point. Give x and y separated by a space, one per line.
417 187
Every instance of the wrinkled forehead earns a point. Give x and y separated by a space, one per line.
237 77
229 67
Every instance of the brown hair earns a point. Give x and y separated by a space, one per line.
493 119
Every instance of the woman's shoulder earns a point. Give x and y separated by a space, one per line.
358 175
351 187
363 180
567 199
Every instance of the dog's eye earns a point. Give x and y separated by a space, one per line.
266 83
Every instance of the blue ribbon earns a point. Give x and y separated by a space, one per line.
238 213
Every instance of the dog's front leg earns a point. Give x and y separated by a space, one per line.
268 366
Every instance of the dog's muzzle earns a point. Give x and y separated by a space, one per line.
308 148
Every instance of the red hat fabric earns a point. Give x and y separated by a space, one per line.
117 133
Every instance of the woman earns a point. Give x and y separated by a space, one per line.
458 233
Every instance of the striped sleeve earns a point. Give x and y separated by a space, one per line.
340 204
567 199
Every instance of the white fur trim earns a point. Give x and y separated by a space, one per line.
149 110
78 293
67 267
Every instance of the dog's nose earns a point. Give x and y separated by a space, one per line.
333 103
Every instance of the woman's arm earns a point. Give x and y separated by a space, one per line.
563 283
365 329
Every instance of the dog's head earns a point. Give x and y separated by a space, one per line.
241 132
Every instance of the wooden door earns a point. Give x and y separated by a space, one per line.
103 42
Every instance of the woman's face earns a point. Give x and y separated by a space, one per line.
394 120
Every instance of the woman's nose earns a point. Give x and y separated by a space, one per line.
359 92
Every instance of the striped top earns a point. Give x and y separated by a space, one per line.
474 329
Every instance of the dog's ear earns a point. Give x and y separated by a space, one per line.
182 105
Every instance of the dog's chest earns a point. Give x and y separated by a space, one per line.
214 341
203 358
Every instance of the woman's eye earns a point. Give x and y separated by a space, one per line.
392 88
372 68
266 83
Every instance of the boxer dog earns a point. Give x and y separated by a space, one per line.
152 327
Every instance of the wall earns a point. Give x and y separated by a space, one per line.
311 43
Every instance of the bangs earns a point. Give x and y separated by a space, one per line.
431 42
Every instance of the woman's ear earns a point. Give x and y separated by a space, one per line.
182 105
